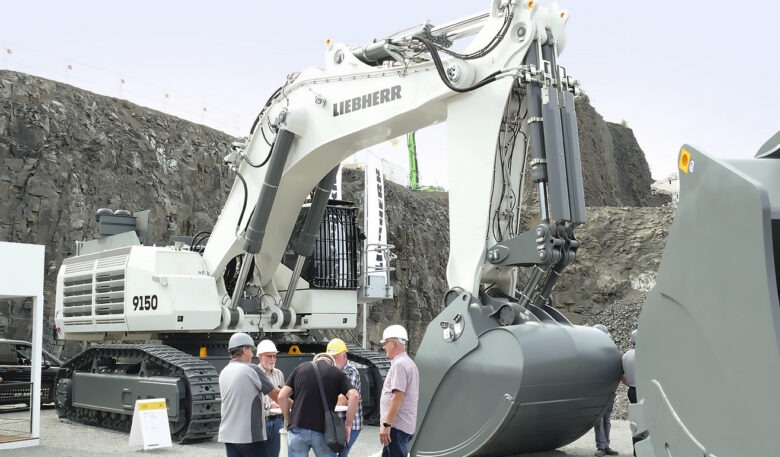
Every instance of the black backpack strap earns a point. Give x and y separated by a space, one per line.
319 382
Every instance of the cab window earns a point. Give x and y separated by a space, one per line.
23 354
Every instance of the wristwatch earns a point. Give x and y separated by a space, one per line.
385 424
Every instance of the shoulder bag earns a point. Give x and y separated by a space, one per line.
335 433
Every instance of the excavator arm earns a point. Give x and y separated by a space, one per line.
506 86
511 127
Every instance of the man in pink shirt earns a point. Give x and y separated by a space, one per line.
398 405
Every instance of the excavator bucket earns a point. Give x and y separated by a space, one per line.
708 345
496 390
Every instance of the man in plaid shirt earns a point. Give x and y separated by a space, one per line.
338 350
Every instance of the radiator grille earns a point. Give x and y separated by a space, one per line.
94 288
334 262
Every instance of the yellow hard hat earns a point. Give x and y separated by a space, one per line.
336 346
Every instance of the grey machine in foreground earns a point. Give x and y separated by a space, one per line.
707 355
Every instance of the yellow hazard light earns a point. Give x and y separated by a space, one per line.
529 4
685 160
203 352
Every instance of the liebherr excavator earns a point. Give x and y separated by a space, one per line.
527 378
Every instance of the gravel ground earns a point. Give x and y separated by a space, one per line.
63 439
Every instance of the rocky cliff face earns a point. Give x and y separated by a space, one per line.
65 152
615 172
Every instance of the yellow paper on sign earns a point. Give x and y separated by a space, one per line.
153 404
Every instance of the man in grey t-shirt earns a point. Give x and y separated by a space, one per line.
242 385
398 405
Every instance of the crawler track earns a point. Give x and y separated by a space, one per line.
198 387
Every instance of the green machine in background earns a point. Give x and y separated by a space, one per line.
414 178
414 170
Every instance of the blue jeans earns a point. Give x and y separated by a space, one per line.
399 444
272 428
256 449
300 440
632 399
353 434
632 394
602 427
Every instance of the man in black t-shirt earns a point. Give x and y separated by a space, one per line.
306 422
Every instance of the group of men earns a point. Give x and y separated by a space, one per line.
603 423
257 402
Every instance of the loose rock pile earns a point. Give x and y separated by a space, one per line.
620 318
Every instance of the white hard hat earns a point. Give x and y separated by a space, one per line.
265 347
394 331
240 339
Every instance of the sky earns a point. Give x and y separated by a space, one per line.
703 73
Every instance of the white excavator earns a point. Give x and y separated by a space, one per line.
528 379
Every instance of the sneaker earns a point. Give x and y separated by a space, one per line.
600 453
610 451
